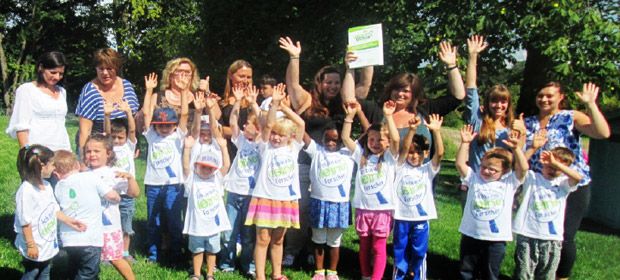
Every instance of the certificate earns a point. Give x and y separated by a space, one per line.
367 43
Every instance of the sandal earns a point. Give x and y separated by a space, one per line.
210 277
281 277
194 277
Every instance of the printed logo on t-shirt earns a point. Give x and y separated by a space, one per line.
247 162
47 223
207 200
488 204
162 155
123 159
331 169
372 180
411 190
280 170
544 204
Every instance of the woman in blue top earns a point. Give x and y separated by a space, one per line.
563 128
106 87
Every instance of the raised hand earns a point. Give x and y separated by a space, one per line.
221 141
251 94
349 57
588 94
278 92
467 133
546 157
238 92
514 140
210 101
108 107
200 101
434 122
189 142
414 123
350 109
519 124
540 139
476 44
447 53
150 81
293 49
123 175
204 85
389 107
123 105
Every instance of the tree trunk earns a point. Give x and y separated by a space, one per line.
536 73
4 71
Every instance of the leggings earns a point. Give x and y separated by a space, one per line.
576 207
375 246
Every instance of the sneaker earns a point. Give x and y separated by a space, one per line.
332 277
318 276
251 274
227 269
288 260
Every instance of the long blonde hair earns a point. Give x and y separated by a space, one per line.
171 66
487 130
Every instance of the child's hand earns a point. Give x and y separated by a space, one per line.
519 124
221 141
77 225
350 109
189 142
434 122
124 175
199 101
108 107
467 133
150 81
210 102
389 107
414 123
278 93
349 57
514 140
588 94
238 92
447 53
33 252
293 49
546 157
203 85
123 105
476 44
540 139
251 94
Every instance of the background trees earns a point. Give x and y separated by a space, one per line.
567 40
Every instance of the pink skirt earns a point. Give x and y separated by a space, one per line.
269 213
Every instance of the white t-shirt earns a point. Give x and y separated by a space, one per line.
414 192
541 215
125 157
373 186
278 178
111 213
330 173
164 162
37 208
80 196
42 115
244 168
487 212
206 214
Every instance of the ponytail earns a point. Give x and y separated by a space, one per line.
30 161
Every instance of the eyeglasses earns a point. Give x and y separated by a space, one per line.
182 72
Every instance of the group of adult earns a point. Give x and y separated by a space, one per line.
40 110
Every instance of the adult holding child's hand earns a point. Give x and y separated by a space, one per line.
563 129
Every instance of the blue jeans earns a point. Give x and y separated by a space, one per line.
165 206
36 270
410 246
237 209
83 262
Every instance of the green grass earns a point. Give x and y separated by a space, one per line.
598 254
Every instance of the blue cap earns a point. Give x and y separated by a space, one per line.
165 115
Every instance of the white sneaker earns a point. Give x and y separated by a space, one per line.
288 260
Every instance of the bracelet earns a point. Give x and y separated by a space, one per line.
452 68
294 57
348 121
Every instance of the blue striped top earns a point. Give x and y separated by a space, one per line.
90 104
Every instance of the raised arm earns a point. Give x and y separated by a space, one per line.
221 141
546 157
362 88
413 126
361 116
234 113
276 99
388 110
462 155
184 112
447 54
299 96
593 123
434 125
515 142
108 108
350 110
204 88
216 131
150 82
199 104
475 45
187 152
539 140
131 122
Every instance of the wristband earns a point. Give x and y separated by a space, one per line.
294 57
348 121
452 68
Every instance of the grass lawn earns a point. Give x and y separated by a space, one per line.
598 254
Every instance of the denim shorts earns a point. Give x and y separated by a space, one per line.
127 208
201 244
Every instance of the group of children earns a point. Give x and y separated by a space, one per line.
393 189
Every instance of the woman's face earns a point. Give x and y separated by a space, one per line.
106 75
181 77
498 108
330 86
242 77
548 99
402 97
53 75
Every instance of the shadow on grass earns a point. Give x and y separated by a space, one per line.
7 231
593 226
10 273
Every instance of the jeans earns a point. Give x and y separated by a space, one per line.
83 262
36 270
165 206
481 256
237 209
297 239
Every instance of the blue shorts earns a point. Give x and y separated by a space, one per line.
127 207
201 244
